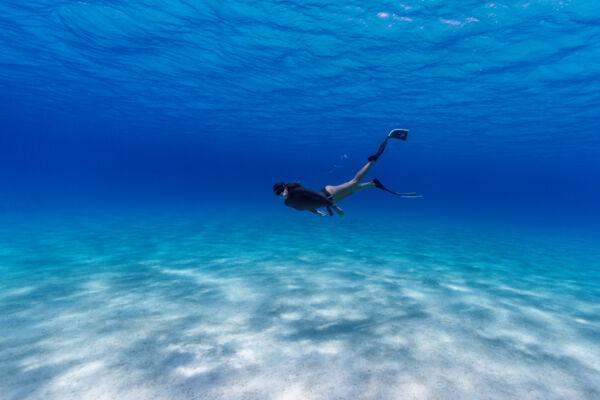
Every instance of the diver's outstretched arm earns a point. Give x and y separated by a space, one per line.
319 212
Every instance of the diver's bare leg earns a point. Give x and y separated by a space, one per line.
346 189
363 172
355 189
349 188
366 185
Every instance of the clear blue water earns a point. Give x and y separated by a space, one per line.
143 254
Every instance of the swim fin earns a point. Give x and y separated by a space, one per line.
398 134
394 134
378 185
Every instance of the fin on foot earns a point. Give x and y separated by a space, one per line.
398 134
379 185
394 134
375 156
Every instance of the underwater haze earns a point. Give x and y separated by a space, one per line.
144 255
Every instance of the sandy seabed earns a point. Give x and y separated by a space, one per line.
202 310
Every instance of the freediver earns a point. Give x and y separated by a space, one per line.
302 198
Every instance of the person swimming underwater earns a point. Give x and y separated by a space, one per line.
301 198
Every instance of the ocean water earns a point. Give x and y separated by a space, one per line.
143 254
188 308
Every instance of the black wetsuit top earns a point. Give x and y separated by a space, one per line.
305 199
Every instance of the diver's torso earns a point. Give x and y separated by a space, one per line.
305 199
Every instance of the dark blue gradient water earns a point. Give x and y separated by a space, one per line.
139 143
204 99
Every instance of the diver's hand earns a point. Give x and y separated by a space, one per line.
321 213
338 210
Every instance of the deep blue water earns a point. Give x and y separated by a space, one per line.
104 101
139 143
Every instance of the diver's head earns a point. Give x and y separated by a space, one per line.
280 189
